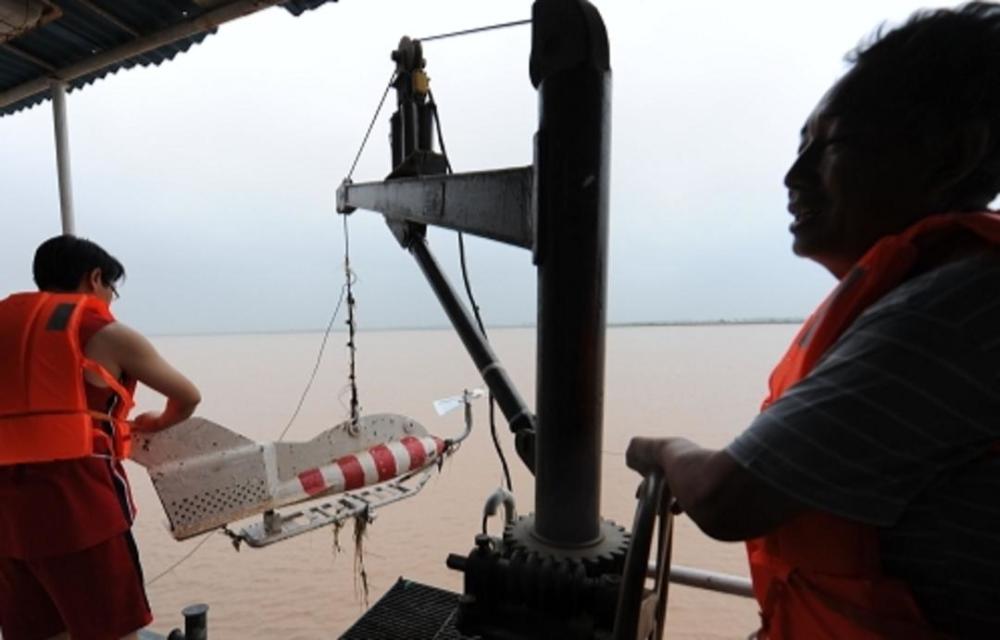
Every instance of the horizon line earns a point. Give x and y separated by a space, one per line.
442 327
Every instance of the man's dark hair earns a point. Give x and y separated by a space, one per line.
937 72
63 261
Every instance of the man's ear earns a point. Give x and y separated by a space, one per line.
92 279
960 153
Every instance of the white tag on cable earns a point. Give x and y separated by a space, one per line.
447 405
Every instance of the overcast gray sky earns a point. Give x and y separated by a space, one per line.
212 177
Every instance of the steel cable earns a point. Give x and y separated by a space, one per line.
465 32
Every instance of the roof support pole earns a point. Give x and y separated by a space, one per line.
62 158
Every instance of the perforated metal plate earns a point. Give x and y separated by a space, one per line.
207 476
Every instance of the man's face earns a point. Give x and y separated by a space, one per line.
852 182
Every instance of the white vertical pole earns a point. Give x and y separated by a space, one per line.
62 158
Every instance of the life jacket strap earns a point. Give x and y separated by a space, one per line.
113 384
121 444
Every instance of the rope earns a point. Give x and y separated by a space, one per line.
472 301
465 32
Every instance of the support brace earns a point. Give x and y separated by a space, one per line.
515 410
490 204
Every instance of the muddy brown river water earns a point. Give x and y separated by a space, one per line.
703 382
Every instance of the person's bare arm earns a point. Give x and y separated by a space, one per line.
723 498
128 350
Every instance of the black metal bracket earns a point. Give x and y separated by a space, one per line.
514 408
489 204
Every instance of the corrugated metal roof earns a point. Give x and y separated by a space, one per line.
87 28
298 7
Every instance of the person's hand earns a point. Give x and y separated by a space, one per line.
147 422
643 454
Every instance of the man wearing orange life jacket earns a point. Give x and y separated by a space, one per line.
867 487
69 567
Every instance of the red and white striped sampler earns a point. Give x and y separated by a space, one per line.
378 464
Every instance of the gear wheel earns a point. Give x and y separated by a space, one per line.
606 556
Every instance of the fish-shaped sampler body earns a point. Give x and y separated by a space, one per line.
207 476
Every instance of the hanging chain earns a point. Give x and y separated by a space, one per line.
349 277
351 328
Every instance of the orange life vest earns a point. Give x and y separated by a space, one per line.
819 576
43 402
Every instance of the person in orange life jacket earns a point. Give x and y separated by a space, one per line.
866 487
69 567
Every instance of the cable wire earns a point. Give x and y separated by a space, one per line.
319 360
465 32
187 555
298 408
472 300
371 125
295 414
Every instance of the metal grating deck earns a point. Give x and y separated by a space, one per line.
409 611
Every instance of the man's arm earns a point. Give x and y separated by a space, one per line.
724 499
906 395
135 355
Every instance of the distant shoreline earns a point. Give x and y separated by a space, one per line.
611 325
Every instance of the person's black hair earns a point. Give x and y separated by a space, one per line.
939 71
62 262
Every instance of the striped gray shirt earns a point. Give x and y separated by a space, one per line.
893 428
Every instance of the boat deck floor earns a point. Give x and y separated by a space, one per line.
408 611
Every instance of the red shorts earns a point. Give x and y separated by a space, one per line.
94 594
